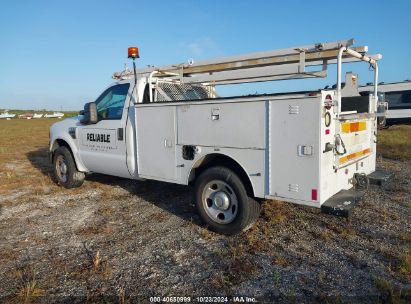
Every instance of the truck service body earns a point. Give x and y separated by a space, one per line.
169 124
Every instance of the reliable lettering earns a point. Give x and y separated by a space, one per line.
98 137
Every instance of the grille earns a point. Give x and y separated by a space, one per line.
177 91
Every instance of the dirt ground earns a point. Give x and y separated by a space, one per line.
121 241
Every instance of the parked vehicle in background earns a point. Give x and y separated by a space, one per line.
54 115
7 115
26 116
398 98
169 124
37 115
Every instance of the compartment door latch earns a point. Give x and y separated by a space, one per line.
305 150
215 114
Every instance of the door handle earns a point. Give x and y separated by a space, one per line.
120 134
168 143
215 114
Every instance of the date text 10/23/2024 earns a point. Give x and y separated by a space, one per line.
205 299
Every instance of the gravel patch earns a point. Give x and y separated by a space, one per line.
116 240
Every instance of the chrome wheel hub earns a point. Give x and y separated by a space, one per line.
61 168
220 202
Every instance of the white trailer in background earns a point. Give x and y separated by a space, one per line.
397 95
58 115
7 115
169 124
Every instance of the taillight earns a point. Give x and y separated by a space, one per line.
314 194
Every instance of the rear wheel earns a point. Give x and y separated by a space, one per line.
65 169
223 203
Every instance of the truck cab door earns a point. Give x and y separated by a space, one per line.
102 145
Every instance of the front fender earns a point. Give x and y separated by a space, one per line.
73 147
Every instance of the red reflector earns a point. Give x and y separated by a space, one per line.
314 194
327 131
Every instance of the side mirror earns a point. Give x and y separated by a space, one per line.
89 114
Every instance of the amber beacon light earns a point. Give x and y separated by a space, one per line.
133 52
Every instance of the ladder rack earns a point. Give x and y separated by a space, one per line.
291 63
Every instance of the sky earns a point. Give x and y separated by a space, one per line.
57 55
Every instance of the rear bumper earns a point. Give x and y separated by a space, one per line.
341 203
380 177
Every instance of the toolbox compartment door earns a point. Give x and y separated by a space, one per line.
156 142
234 125
294 149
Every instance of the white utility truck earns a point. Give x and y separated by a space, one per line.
169 124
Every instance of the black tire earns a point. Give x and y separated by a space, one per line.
222 201
68 176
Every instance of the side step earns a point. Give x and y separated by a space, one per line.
341 203
380 177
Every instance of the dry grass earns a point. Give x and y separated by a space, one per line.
234 271
96 261
348 231
95 265
280 261
390 294
24 162
121 295
274 212
395 142
22 136
95 228
399 261
236 265
325 235
405 263
23 140
29 288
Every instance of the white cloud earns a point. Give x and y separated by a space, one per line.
201 46
195 49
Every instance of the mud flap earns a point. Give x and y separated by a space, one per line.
341 203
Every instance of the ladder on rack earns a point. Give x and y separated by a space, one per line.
291 63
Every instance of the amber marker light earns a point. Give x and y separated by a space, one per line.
133 52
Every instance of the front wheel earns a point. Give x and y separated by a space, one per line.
223 203
65 169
